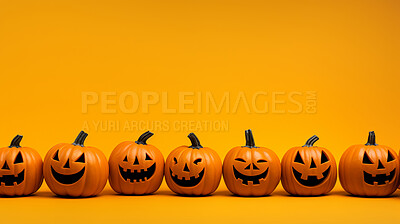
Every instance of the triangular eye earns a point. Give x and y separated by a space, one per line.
55 157
390 157
81 159
366 159
18 159
324 158
298 158
126 159
148 157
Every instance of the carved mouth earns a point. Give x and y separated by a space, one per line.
12 180
311 180
67 179
254 179
193 181
137 175
379 179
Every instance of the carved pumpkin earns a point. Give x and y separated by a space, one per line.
193 170
370 169
136 167
250 170
75 170
308 170
21 169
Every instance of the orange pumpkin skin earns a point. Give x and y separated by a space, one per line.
360 163
193 170
75 170
136 167
308 170
251 171
21 169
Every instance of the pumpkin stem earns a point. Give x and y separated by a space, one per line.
310 142
143 138
195 141
249 139
80 139
371 138
15 142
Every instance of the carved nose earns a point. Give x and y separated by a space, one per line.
380 165
5 166
186 168
249 167
255 167
313 164
66 164
136 161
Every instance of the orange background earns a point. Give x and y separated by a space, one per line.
347 51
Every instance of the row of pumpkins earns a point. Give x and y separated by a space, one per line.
137 168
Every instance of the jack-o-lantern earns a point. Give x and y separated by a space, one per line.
370 169
21 170
250 170
136 167
308 170
193 170
75 170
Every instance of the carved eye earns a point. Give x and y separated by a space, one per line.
261 161
197 161
125 159
298 159
55 157
148 157
18 159
324 158
390 157
240 160
366 159
175 160
81 159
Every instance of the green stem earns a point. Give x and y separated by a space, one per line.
195 141
16 141
80 139
249 139
310 142
371 138
143 138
